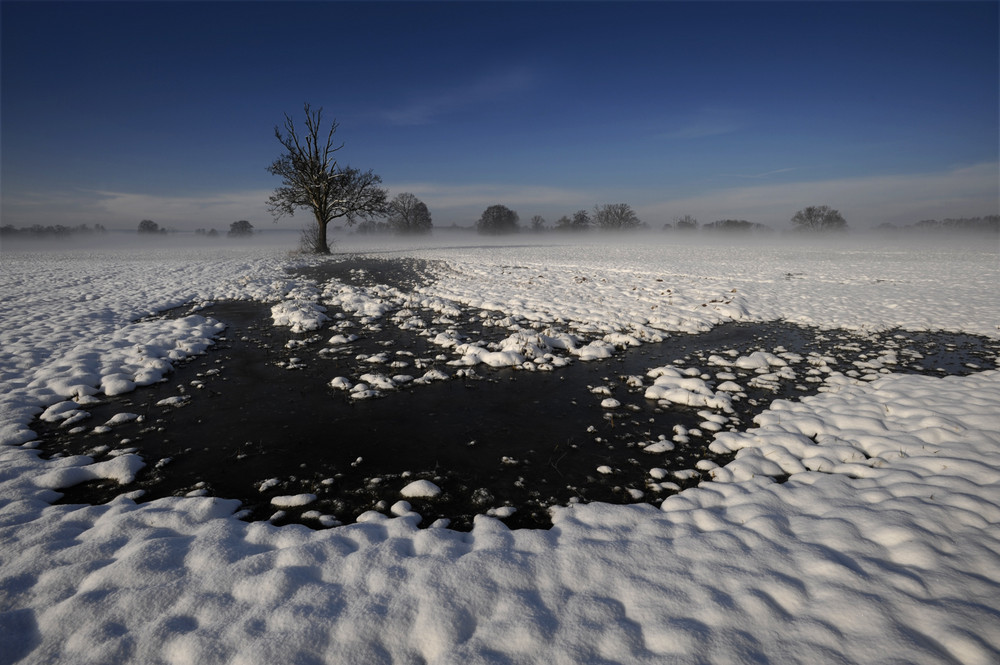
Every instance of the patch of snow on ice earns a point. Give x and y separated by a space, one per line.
69 471
299 315
420 489
292 500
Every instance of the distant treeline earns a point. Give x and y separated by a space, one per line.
989 223
39 231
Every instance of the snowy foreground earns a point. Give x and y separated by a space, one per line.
883 545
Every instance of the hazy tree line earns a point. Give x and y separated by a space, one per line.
56 231
238 229
621 217
312 180
498 219
989 224
811 219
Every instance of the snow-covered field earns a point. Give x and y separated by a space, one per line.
883 545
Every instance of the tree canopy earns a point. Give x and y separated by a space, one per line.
149 226
819 218
497 219
240 228
408 214
616 217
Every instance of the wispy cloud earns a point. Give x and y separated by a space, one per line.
426 109
766 174
901 199
706 122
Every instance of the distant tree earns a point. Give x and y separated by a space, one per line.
581 221
149 226
497 219
240 228
408 214
735 225
819 218
686 223
537 223
564 223
212 233
311 179
616 217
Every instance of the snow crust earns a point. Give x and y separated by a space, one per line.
880 543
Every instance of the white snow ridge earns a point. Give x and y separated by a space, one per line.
858 525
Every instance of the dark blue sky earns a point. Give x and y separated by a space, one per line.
112 112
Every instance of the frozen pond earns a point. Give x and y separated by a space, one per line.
255 418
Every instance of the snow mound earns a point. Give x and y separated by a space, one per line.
670 385
299 315
759 361
292 500
596 350
420 489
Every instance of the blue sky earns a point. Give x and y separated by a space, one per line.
115 112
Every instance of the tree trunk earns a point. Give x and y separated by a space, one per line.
321 246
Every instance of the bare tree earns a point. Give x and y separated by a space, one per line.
408 214
537 223
581 221
616 217
312 179
819 218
